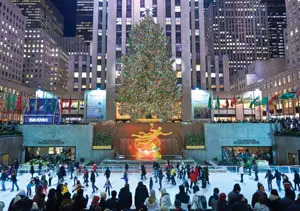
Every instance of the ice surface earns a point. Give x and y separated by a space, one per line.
224 181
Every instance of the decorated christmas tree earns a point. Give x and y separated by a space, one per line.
148 81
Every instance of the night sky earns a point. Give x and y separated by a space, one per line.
68 9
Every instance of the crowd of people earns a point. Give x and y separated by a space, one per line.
189 196
7 126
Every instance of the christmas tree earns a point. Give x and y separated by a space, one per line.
148 81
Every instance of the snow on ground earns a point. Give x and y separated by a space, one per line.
224 181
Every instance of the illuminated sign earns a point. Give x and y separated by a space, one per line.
38 120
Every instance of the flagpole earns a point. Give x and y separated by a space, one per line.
227 105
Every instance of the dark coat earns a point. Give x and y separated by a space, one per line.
223 206
296 178
240 203
278 175
16 165
113 204
141 193
93 178
125 198
62 171
107 173
3 176
295 206
13 178
31 170
256 196
182 197
275 204
79 203
51 204
143 170
285 203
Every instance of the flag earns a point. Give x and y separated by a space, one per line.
4 102
233 101
274 99
78 106
8 102
288 95
36 105
227 102
209 102
217 106
70 102
28 106
264 101
45 104
14 100
52 105
19 102
298 92
61 103
254 102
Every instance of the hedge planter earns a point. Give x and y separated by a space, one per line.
101 147
148 120
195 147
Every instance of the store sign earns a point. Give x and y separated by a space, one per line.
246 141
38 120
51 142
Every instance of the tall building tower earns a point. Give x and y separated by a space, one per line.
84 20
276 11
292 34
238 29
181 20
45 62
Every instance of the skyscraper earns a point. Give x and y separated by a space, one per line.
292 33
183 23
84 19
276 23
238 29
42 14
45 62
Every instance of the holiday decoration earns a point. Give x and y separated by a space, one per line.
148 81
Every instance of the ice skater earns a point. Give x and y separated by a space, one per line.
296 180
160 178
32 171
3 179
107 173
241 172
93 180
86 177
255 169
29 186
107 186
278 176
143 172
125 177
269 176
14 181
151 184
76 170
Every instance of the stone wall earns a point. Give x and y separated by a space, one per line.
11 145
286 145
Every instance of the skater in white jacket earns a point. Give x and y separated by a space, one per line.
241 172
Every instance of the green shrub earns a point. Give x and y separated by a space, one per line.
290 133
195 139
10 133
102 139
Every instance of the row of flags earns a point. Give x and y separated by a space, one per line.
11 102
256 101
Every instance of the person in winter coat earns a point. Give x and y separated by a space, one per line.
20 202
193 178
213 200
241 172
93 180
173 175
255 169
95 167
28 187
222 204
296 205
107 186
31 171
143 172
59 196
151 184
141 193
261 204
125 177
39 197
62 172
198 200
126 167
296 180
278 176
50 176
288 200
94 203
51 202
107 173
239 203
103 203
113 203
80 201
286 183
259 193
14 182
269 177
165 200
125 198
86 177
274 201
236 190
151 202
65 189
17 165
183 198
160 177
66 203
3 179
75 178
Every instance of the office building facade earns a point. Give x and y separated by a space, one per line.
292 34
84 20
276 23
238 29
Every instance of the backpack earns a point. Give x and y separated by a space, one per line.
200 203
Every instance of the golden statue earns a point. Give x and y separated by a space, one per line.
148 144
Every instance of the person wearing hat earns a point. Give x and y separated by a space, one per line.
222 204
165 200
113 203
151 202
141 193
259 193
125 198
18 201
95 202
